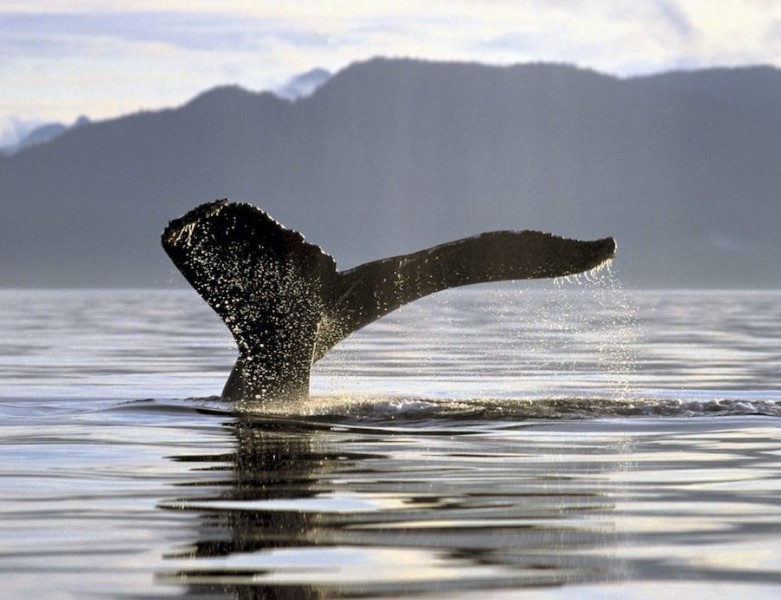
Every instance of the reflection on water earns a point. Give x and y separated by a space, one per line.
312 509
572 442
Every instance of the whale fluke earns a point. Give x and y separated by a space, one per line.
287 305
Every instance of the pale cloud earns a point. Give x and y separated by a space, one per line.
103 58
737 32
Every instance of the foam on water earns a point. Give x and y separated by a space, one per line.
357 408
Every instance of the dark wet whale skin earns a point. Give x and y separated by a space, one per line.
286 304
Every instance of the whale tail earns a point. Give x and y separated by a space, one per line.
287 305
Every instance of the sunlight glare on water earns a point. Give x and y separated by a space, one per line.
572 441
494 342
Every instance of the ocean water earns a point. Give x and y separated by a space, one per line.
548 440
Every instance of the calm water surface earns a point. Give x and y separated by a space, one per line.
572 441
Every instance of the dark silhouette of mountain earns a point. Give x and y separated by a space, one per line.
749 90
390 156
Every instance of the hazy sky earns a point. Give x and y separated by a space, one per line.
103 58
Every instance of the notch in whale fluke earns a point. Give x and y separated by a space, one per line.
286 304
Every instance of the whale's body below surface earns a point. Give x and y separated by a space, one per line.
287 305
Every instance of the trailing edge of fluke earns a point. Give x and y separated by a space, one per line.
287 305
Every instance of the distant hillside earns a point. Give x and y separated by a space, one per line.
14 128
390 156
303 85
41 135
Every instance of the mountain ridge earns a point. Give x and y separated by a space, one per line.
389 156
